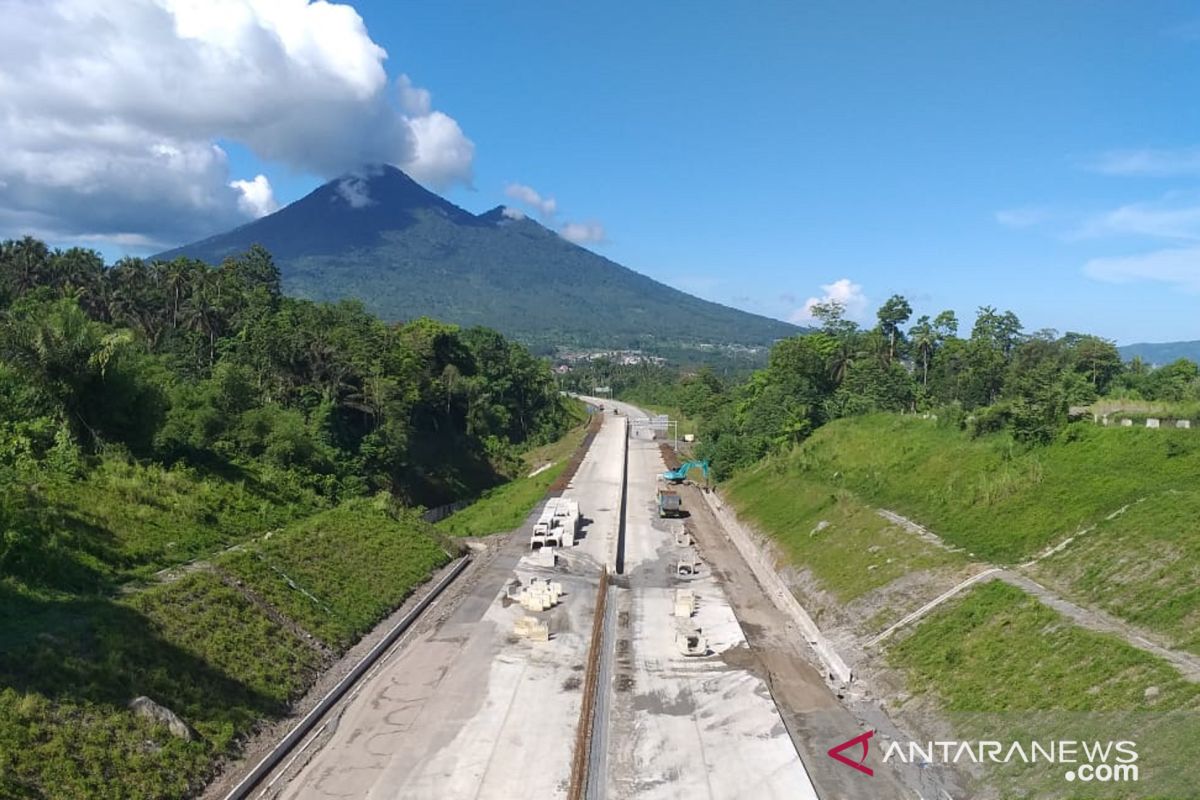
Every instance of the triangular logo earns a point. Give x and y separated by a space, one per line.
835 752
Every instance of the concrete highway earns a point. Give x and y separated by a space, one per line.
469 710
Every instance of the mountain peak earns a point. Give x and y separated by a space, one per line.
376 234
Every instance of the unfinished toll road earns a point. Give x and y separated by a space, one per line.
487 704
470 709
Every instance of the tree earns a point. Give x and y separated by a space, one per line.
893 314
1096 358
924 342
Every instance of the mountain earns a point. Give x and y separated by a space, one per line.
1160 353
405 252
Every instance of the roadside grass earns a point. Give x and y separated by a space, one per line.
337 573
194 645
849 548
998 500
1142 566
1002 666
503 508
151 517
564 445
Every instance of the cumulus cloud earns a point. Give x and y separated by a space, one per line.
111 113
512 213
1148 162
546 207
1178 267
582 232
258 198
844 291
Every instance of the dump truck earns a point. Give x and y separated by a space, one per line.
670 504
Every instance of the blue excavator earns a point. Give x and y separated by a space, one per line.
680 475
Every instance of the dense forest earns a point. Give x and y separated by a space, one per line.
997 377
212 370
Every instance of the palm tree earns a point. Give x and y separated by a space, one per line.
203 313
842 360
924 340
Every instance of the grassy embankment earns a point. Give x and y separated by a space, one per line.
1002 666
1000 501
995 651
87 629
507 506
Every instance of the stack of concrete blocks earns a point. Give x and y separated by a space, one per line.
558 524
540 595
685 603
531 628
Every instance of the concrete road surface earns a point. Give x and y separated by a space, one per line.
469 710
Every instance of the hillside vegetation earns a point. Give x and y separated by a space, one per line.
202 500
989 495
1002 666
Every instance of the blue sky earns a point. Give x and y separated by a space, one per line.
1042 157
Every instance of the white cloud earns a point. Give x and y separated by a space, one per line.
1166 219
415 101
546 207
110 112
1179 267
582 232
512 213
354 190
442 154
844 291
258 199
1021 217
1148 162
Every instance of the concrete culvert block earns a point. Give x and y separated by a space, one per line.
1126 423
685 603
1152 423
691 642
1183 423
146 708
530 628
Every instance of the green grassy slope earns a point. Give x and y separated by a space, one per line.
506 507
85 626
849 548
339 572
1142 566
988 495
1005 667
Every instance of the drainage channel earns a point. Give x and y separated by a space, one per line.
282 750
590 759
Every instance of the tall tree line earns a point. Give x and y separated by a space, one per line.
214 366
